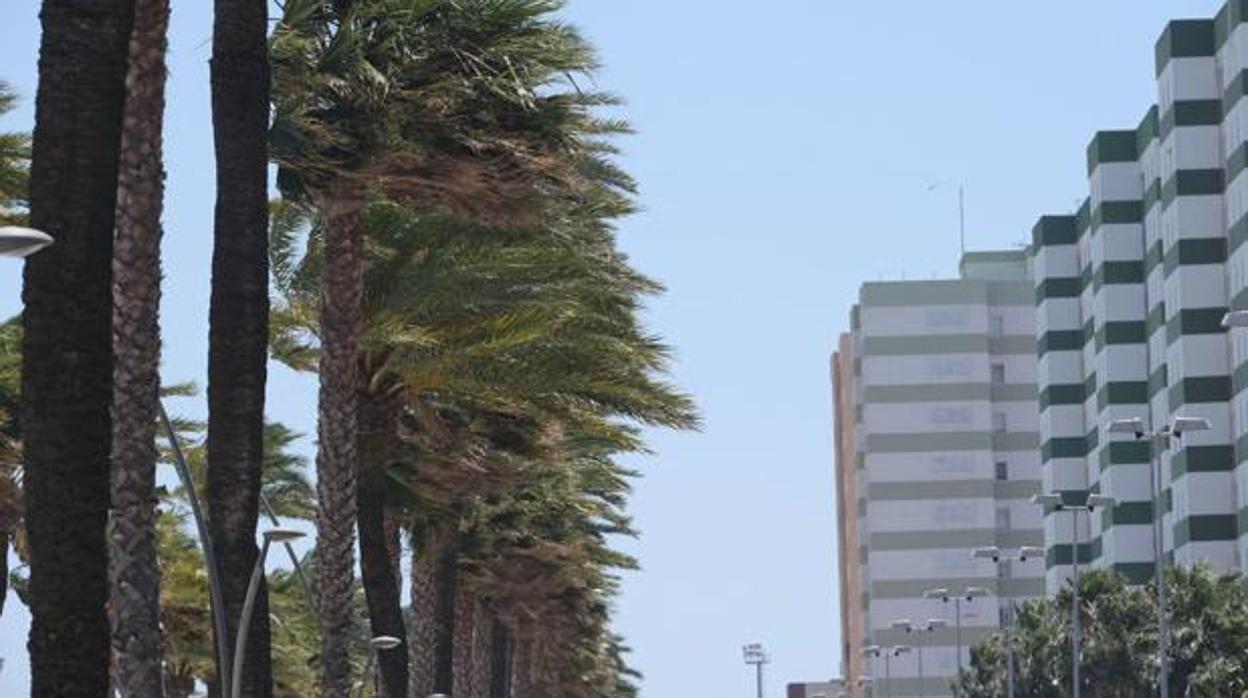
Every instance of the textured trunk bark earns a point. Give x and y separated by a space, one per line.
522 665
482 637
465 625
500 660
421 632
381 588
446 582
134 577
238 332
67 363
341 297
393 526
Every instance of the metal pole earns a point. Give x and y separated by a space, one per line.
888 671
244 622
922 640
210 557
1163 623
957 634
759 674
1076 621
1008 581
290 551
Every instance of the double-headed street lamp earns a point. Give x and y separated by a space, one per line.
922 631
755 655
1056 503
1157 441
1005 573
968 595
887 653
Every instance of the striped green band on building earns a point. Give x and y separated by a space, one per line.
1193 251
1205 528
1185 38
1202 459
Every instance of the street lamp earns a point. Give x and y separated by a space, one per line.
1005 572
1056 503
930 626
22 242
1157 441
273 535
381 643
969 594
755 654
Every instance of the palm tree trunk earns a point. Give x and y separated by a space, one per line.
445 553
134 575
522 665
465 626
381 588
500 660
482 639
341 298
238 331
67 362
422 629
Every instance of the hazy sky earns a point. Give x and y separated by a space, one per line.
787 152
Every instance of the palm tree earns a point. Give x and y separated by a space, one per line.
434 104
10 449
134 577
67 370
14 165
239 312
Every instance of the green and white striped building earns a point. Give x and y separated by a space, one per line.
1130 292
947 451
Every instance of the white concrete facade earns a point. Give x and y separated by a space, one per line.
947 431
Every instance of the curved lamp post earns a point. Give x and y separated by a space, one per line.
273 535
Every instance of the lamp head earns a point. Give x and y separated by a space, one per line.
1048 501
281 535
936 623
22 242
1133 426
903 624
1096 501
940 593
1028 551
900 650
1235 319
989 553
975 592
385 642
1184 424
870 651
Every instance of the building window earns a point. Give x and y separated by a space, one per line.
1003 471
1003 519
998 374
996 325
998 422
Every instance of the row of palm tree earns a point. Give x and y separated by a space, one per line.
442 258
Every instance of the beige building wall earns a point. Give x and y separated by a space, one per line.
849 567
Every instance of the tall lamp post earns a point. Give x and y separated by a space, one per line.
922 631
273 535
1055 502
755 655
887 653
1157 442
1005 572
968 595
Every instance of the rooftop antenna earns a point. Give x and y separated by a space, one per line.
962 219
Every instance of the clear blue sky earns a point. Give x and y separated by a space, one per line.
785 151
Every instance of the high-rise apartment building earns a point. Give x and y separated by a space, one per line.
1130 294
938 454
